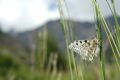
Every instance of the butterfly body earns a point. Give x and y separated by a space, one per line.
87 49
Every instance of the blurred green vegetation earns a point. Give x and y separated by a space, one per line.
14 66
49 63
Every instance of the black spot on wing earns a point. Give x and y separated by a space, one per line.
76 43
80 41
85 41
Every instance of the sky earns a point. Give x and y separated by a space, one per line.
23 15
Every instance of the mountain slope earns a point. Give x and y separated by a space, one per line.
83 30
12 46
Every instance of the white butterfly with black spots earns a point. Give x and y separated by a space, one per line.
87 49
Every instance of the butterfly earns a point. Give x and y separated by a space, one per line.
87 49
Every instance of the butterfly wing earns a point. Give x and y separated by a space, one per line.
86 48
80 47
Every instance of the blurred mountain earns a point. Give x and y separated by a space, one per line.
25 41
82 30
10 45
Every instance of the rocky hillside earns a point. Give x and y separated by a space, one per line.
83 30
10 45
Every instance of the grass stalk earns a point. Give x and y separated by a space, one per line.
111 41
67 30
99 34
64 28
117 29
